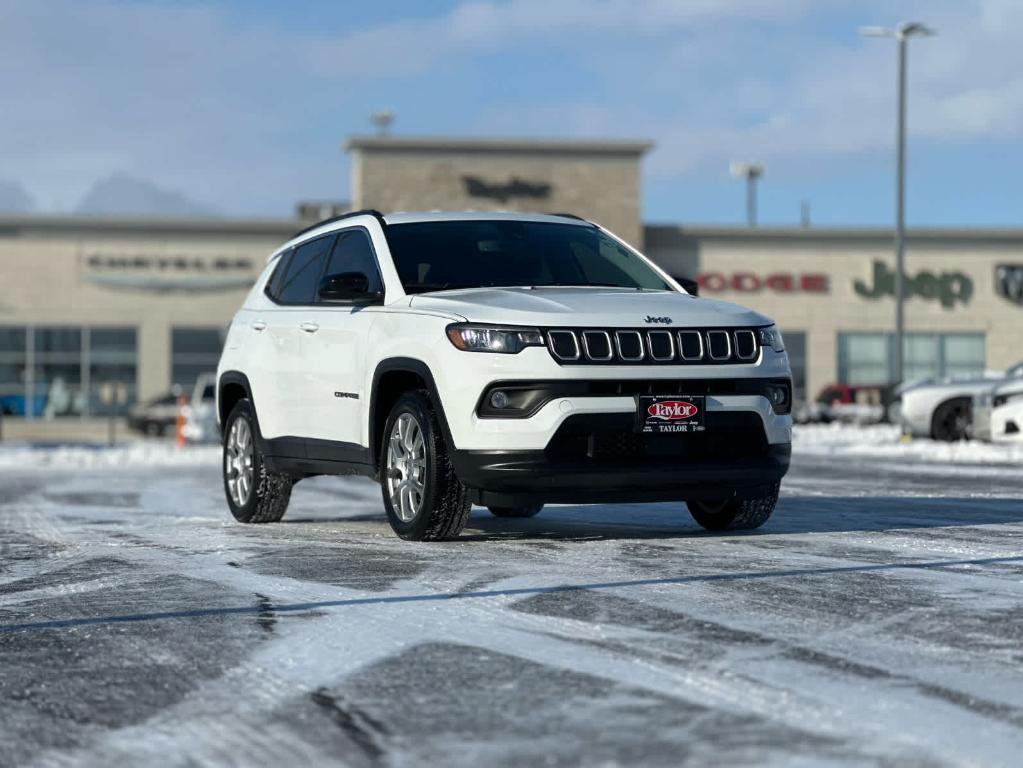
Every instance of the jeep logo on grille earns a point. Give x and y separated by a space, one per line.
660 320
672 410
1009 282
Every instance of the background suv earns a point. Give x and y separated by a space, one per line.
507 360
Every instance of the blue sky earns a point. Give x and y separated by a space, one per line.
242 106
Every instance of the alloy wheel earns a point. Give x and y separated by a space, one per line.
239 458
406 467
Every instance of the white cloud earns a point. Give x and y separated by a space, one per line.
247 117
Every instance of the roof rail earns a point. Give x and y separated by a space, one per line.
570 216
366 212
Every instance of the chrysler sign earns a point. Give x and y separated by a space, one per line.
169 272
1009 282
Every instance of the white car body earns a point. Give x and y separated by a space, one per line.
920 404
1006 409
200 413
313 372
994 396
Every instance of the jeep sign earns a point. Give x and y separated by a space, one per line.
949 288
1009 282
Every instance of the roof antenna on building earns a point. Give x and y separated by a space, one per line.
382 121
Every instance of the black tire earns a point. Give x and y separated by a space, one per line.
444 507
734 514
268 499
951 420
528 510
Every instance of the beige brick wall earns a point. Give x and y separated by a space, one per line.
823 316
45 282
603 187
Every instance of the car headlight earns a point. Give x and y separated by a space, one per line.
771 337
483 338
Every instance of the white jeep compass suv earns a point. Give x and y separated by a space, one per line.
506 360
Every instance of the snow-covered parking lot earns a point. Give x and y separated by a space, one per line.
877 618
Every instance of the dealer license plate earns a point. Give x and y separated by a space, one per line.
662 414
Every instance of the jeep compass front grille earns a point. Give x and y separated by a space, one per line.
630 346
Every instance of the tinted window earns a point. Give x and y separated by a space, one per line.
303 272
354 253
273 285
434 256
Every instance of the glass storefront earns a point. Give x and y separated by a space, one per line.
59 371
868 358
194 351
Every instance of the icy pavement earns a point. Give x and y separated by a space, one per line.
877 618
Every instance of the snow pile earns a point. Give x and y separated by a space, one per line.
885 441
134 454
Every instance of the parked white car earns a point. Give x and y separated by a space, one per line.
201 411
988 400
507 360
943 410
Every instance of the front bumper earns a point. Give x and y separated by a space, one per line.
1007 423
597 457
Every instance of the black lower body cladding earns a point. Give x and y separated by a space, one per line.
600 458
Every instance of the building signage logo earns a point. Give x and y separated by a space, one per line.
503 192
778 282
170 272
1009 282
949 288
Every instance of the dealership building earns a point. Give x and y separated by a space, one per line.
96 313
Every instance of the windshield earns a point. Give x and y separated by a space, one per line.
441 255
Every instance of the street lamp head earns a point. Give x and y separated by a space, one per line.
746 170
911 28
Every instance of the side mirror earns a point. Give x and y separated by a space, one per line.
347 286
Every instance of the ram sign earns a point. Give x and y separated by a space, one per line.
1009 282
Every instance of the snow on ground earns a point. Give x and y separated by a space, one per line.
881 441
884 441
874 620
137 453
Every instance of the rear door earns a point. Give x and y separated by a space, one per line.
291 326
336 352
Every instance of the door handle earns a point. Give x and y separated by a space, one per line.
259 325
309 327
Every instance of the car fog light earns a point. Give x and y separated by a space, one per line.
499 399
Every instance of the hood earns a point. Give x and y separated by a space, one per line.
586 307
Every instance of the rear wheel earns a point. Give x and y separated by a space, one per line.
952 420
734 514
254 494
424 499
527 510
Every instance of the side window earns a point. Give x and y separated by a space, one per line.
303 273
273 285
354 253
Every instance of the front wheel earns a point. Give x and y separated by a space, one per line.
254 494
952 420
734 514
424 499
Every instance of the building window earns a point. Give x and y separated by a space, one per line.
113 357
194 351
14 372
868 358
57 371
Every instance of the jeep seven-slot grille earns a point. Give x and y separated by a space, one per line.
653 346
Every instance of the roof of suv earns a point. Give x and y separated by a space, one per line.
415 217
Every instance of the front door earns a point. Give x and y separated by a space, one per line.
336 352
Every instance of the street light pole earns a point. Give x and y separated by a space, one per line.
901 34
751 172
